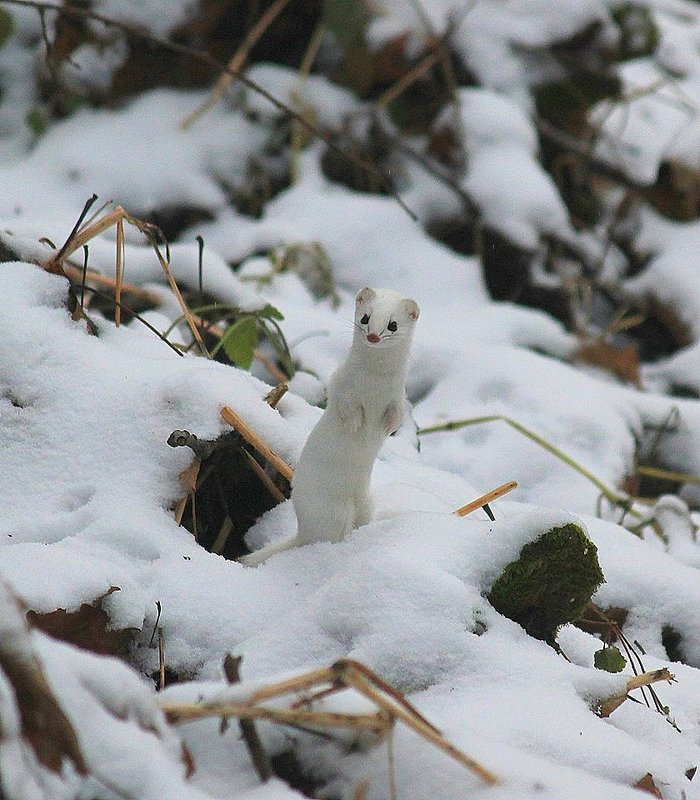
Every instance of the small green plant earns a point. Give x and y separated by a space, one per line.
609 659
242 334
241 338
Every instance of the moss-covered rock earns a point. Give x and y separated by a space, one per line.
551 582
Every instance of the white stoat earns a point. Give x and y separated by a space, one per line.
366 396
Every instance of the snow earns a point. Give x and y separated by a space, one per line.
88 482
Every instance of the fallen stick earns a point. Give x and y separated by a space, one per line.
485 499
232 418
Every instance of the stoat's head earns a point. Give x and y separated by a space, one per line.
383 316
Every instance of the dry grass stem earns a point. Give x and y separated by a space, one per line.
668 475
232 418
161 659
222 536
485 499
362 679
185 712
613 497
236 63
344 674
117 217
270 366
189 477
180 299
76 274
119 274
265 479
426 63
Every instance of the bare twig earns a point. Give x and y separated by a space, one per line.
235 65
585 152
407 79
119 272
346 673
76 274
485 499
258 754
137 316
232 418
265 479
161 658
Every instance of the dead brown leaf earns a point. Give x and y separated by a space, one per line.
621 361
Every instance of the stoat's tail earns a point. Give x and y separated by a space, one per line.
257 558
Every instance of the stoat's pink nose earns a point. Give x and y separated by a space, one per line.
372 337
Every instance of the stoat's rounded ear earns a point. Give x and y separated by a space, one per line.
411 309
364 296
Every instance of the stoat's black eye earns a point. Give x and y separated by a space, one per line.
392 326
365 319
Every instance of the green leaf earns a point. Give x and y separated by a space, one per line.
609 659
347 20
269 312
240 340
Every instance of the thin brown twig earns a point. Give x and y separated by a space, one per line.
80 235
359 677
180 299
119 273
258 754
296 140
485 499
235 65
582 149
265 479
161 658
345 673
408 78
232 418
76 274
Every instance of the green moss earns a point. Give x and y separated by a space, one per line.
551 582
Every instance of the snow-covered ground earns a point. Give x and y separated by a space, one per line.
88 482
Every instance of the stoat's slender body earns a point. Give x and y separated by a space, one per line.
366 396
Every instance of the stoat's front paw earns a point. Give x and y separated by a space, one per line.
392 418
352 416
